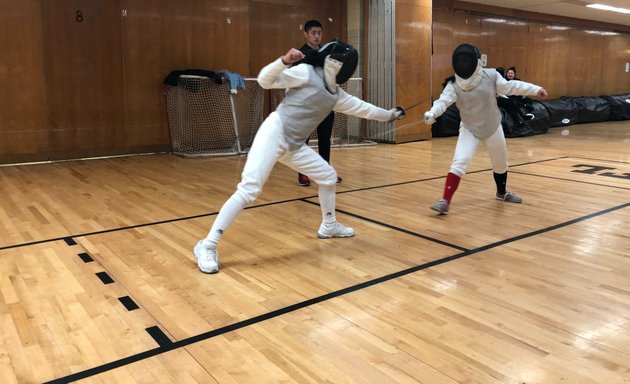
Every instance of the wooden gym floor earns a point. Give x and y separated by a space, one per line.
98 283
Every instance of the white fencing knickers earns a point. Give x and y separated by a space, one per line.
270 146
467 146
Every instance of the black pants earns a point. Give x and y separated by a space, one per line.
324 131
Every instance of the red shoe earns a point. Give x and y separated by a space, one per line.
303 180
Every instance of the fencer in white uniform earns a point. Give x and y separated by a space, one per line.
312 92
475 89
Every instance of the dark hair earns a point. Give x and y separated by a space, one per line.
501 71
311 24
512 69
450 79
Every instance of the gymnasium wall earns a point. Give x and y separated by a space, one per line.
23 114
82 78
567 57
413 53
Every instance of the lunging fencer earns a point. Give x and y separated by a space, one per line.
312 93
474 89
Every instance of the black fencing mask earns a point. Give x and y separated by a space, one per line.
343 53
465 60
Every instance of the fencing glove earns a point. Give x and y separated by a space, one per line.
398 113
428 118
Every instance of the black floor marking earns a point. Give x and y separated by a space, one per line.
159 336
602 160
382 186
406 231
105 278
539 161
86 258
140 225
128 303
571 180
294 307
250 207
109 230
436 177
549 229
70 241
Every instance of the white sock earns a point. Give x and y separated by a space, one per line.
228 213
327 200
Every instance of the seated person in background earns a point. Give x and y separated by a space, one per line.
510 74
510 104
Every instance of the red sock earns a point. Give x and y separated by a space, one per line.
452 182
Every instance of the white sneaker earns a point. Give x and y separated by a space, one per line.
207 258
326 231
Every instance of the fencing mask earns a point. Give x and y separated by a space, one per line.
467 66
345 56
465 59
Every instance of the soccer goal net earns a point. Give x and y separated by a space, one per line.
206 119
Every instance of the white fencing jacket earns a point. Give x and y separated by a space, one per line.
478 107
307 101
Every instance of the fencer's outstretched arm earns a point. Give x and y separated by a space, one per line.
280 74
518 87
440 105
353 106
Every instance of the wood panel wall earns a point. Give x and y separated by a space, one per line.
84 77
566 60
413 63
271 38
93 87
23 130
162 35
